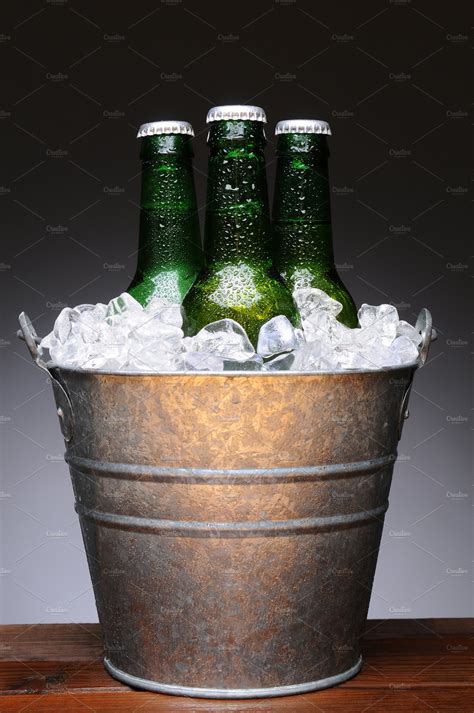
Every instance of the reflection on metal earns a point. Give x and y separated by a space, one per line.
223 476
260 528
232 692
424 324
232 521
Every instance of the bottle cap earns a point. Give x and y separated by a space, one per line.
302 126
245 112
165 127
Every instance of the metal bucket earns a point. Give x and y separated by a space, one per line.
232 521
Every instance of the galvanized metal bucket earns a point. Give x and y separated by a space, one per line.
232 521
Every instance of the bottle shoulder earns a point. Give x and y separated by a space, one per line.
250 294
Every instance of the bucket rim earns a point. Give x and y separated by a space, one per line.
231 693
238 372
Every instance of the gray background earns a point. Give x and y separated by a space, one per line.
391 77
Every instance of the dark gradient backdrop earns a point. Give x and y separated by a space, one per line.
391 76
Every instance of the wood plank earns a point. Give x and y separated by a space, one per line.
403 628
77 642
337 700
50 642
417 661
409 665
56 677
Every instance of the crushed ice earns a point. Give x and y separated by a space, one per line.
124 336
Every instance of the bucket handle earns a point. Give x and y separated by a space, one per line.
424 325
64 406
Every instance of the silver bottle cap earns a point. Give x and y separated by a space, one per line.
244 112
165 127
302 126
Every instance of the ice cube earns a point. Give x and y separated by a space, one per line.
377 356
155 305
315 356
276 336
283 362
107 355
72 354
85 325
49 341
323 327
225 338
254 363
187 344
353 359
153 328
62 325
309 300
404 350
153 358
168 313
300 338
173 315
231 365
85 308
405 329
203 361
98 361
86 321
123 303
344 337
96 312
379 323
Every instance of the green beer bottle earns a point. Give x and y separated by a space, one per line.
302 212
238 280
169 248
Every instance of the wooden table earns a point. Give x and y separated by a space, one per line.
418 666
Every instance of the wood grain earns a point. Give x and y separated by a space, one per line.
409 666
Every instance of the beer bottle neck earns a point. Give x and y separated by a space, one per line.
301 209
168 200
237 227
